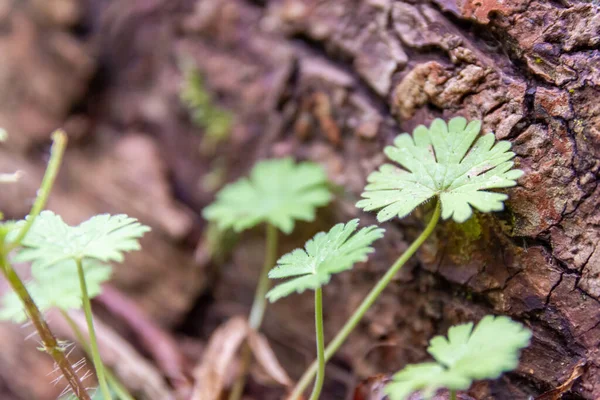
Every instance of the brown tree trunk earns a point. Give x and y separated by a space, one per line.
333 81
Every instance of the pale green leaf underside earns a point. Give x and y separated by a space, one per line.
442 161
277 191
427 378
485 352
324 255
50 241
466 355
58 287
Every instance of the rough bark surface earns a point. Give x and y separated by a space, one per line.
332 81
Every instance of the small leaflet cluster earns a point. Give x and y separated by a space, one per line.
447 161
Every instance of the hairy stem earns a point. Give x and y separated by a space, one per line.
453 395
120 390
320 345
258 309
87 309
355 318
49 342
56 155
48 339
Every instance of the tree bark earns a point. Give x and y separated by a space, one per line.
334 81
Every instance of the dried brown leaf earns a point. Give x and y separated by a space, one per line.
220 353
221 350
266 357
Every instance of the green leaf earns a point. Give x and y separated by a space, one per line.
278 192
442 161
485 352
50 241
57 287
325 254
427 378
466 355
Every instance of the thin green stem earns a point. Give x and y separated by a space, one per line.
355 318
453 395
258 309
56 155
260 300
87 309
120 390
49 342
320 336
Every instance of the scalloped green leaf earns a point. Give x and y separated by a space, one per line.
467 354
278 192
104 237
426 378
445 161
484 352
324 255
